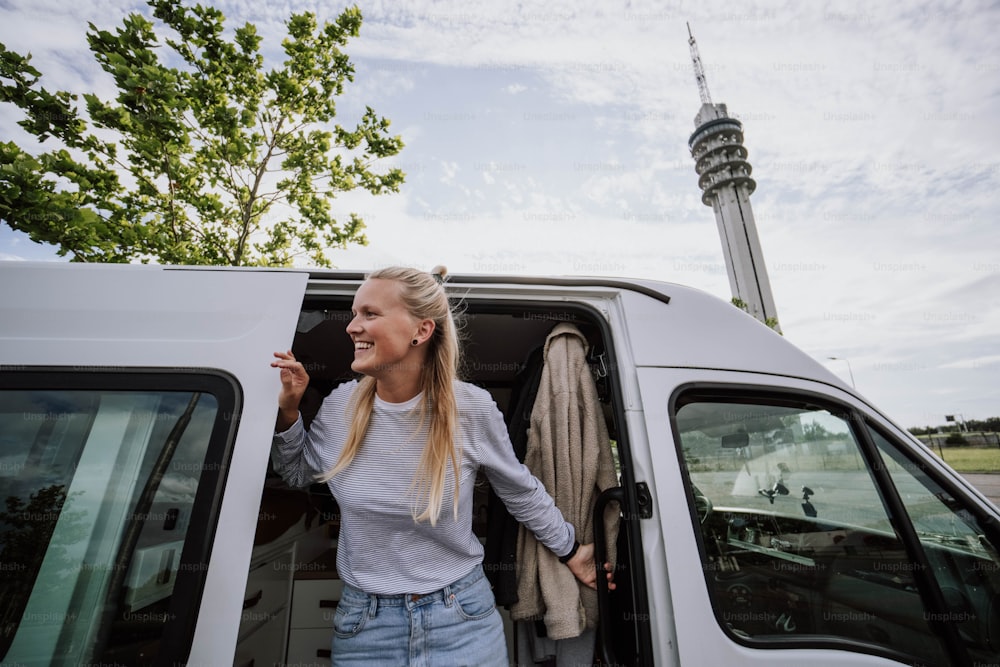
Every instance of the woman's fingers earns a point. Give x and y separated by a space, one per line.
293 377
286 360
283 359
585 569
610 575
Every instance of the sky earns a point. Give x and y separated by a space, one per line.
550 138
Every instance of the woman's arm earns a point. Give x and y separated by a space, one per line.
292 455
294 381
527 500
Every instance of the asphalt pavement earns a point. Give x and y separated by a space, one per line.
987 483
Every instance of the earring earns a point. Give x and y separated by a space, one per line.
414 342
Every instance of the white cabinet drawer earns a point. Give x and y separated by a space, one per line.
267 592
310 646
314 602
265 645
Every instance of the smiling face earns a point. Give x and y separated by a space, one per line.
383 330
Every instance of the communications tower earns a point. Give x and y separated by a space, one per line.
724 178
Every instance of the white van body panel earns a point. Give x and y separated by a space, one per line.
115 318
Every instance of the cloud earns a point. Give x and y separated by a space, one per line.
552 138
981 362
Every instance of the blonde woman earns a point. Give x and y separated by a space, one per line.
399 449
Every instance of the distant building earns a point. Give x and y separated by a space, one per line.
724 178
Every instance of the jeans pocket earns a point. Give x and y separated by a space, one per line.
349 618
475 602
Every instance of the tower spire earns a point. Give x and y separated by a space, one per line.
699 71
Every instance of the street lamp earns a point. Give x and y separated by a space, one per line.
849 371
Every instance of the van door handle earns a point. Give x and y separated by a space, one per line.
617 494
327 604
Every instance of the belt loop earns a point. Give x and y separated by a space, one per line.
448 596
372 605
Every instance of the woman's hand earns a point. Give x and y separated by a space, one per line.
294 381
583 568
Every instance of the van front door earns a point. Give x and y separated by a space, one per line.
136 406
816 531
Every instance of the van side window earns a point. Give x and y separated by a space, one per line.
99 483
798 549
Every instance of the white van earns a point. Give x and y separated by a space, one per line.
769 514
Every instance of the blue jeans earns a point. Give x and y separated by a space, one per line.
456 626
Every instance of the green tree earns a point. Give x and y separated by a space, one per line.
813 431
771 322
203 157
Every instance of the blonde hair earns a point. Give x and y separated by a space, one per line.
424 296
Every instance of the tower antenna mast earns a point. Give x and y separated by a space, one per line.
699 71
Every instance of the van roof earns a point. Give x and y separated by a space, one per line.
668 324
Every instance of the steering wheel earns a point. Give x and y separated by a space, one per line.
702 505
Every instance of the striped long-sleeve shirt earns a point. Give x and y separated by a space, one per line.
381 548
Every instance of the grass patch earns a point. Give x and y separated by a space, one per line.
968 459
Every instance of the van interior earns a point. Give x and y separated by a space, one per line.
293 586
